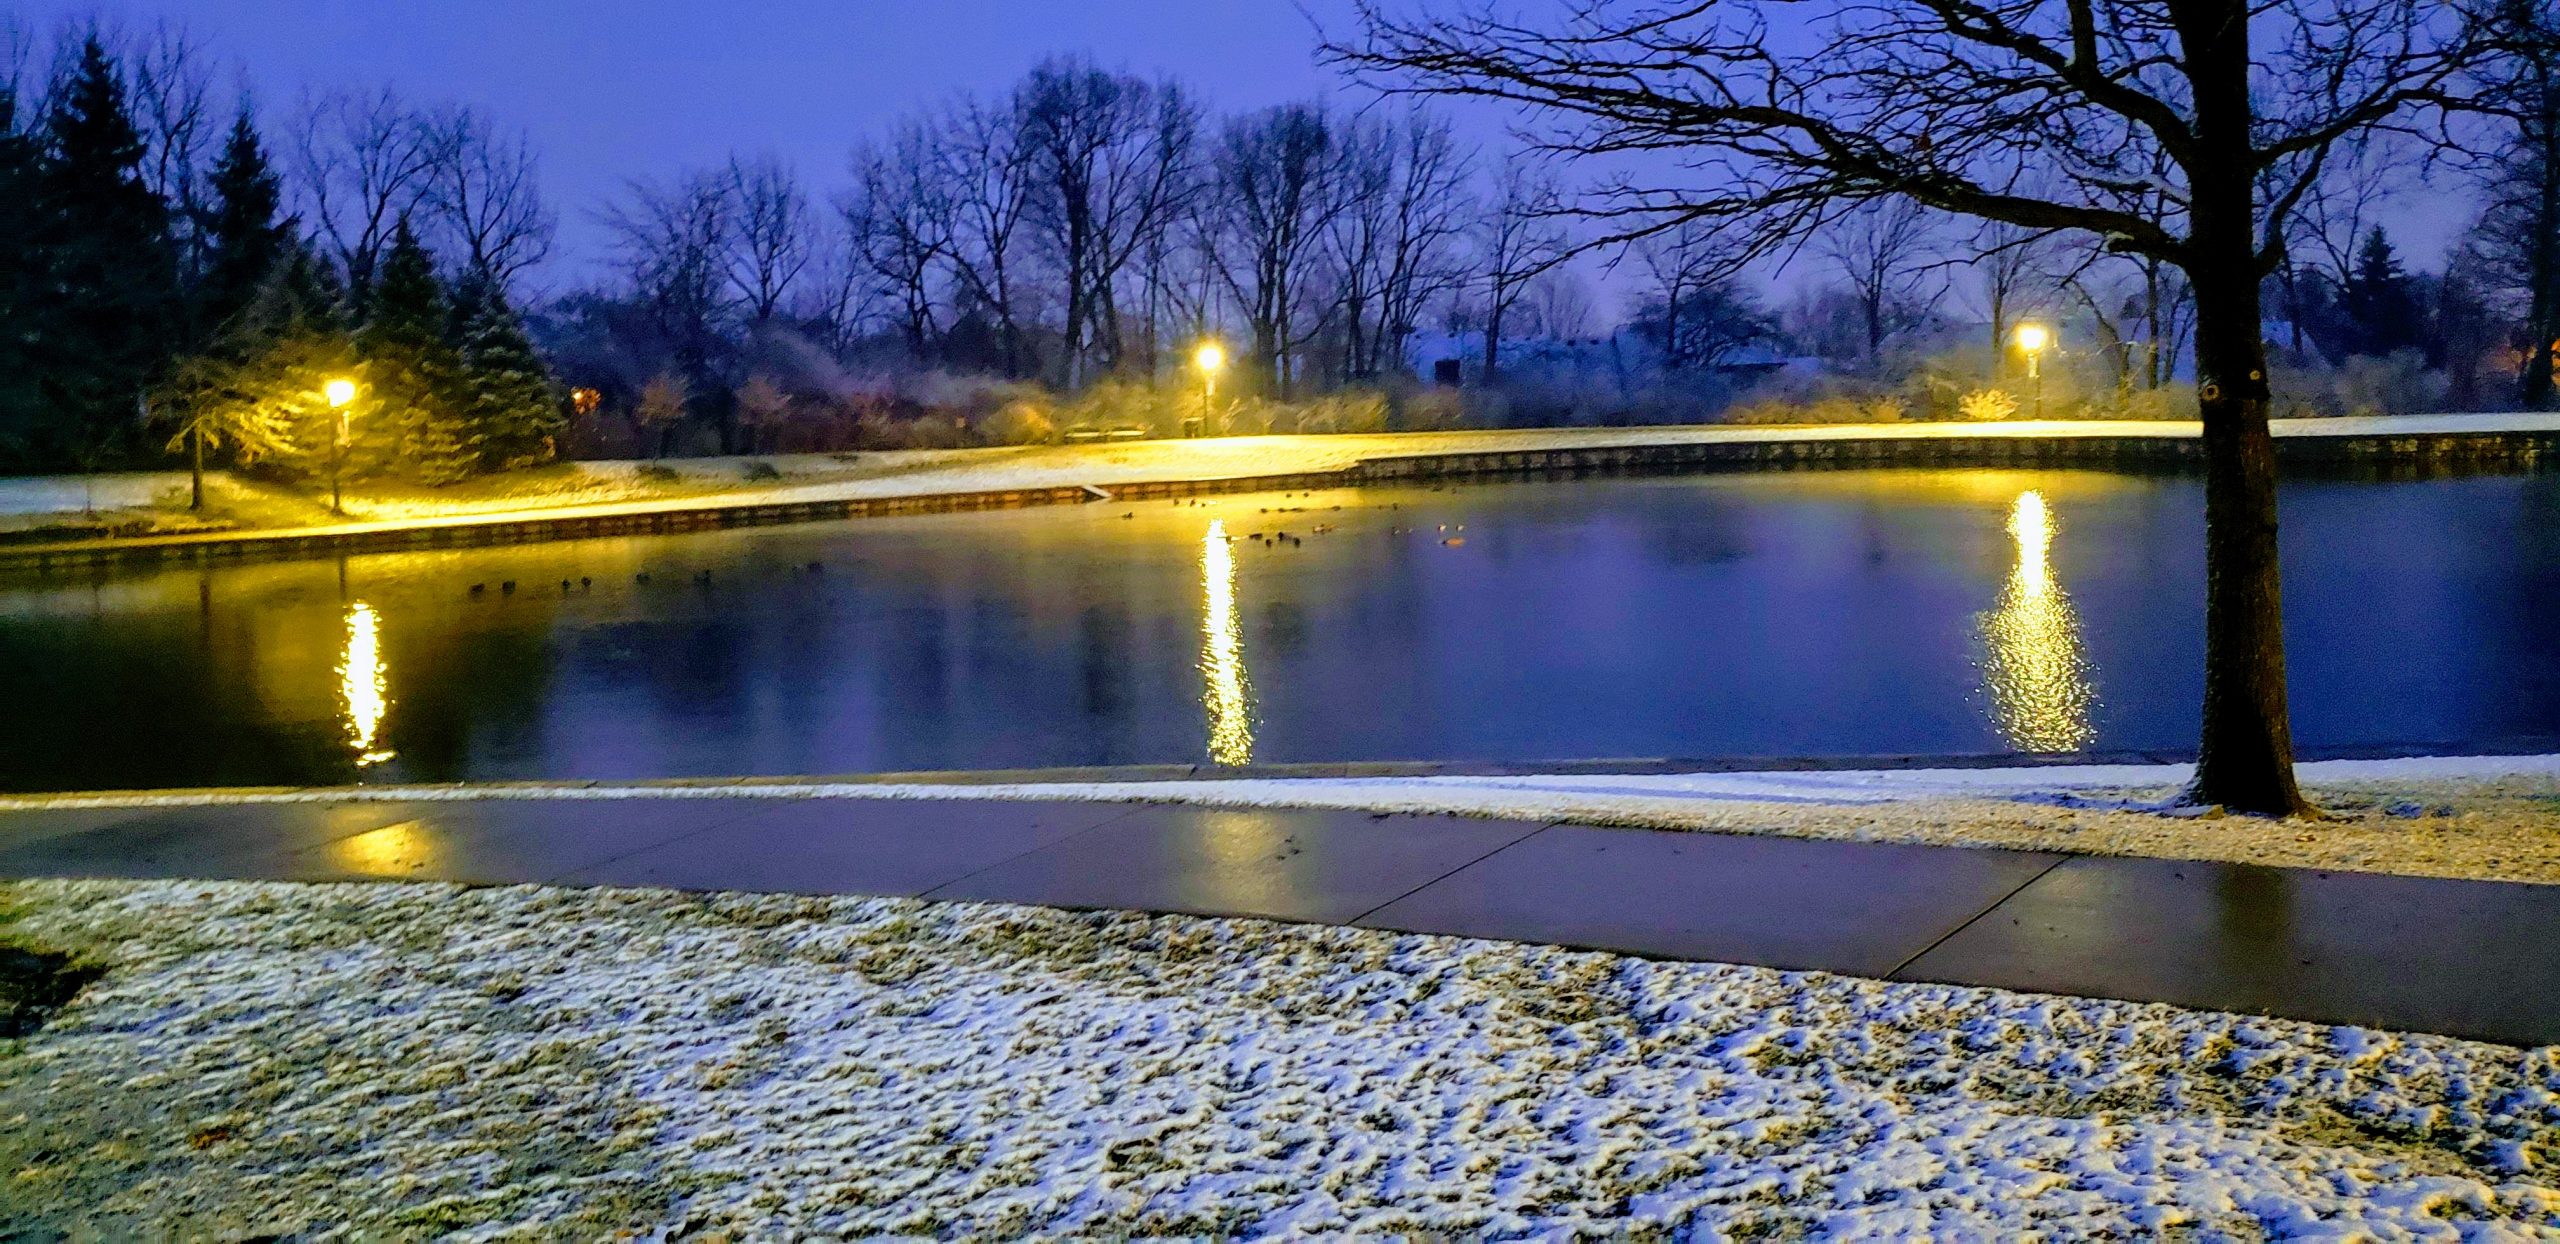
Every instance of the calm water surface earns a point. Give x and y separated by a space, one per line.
1774 614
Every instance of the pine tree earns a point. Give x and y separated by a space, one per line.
112 295
517 409
22 404
257 395
2380 300
245 240
413 421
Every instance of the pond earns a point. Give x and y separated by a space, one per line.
1825 613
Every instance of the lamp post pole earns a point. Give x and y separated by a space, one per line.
1210 357
341 393
2032 341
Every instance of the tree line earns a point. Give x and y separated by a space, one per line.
1082 225
162 298
173 275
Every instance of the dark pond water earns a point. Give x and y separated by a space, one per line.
1828 613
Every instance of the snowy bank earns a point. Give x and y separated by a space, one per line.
410 1059
570 489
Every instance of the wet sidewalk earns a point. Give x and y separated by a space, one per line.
2465 958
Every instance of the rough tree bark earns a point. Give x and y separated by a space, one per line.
2245 755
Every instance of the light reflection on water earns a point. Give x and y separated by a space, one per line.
2042 688
365 685
1760 614
1225 691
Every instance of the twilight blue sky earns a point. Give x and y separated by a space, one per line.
612 89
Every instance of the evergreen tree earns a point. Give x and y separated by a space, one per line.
413 418
22 404
244 239
2380 300
517 410
256 394
111 289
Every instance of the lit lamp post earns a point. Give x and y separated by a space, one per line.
341 393
1210 358
2033 339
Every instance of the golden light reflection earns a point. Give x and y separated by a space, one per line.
1225 692
365 685
2038 676
400 850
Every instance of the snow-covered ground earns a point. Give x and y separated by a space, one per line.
404 1060
580 486
2487 817
59 494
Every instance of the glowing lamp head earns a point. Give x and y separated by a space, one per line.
1210 357
2033 338
339 392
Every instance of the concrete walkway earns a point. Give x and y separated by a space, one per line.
2465 958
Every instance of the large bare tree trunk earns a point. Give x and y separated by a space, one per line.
2244 760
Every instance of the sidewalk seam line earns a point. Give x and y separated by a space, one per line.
1975 918
560 878
1129 810
1451 873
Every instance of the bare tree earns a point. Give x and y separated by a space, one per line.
1393 235
362 162
2010 264
764 410
672 240
838 294
1885 250
2518 236
483 195
768 243
1559 305
895 223
988 170
1115 162
1275 187
171 90
2144 307
1680 262
1517 237
2042 115
660 408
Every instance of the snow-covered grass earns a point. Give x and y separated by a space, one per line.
812 477
2481 817
403 1060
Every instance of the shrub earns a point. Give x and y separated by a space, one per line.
938 431
1353 410
1764 410
1984 405
2169 401
1020 423
1431 410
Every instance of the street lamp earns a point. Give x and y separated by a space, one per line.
1210 358
2033 339
341 393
